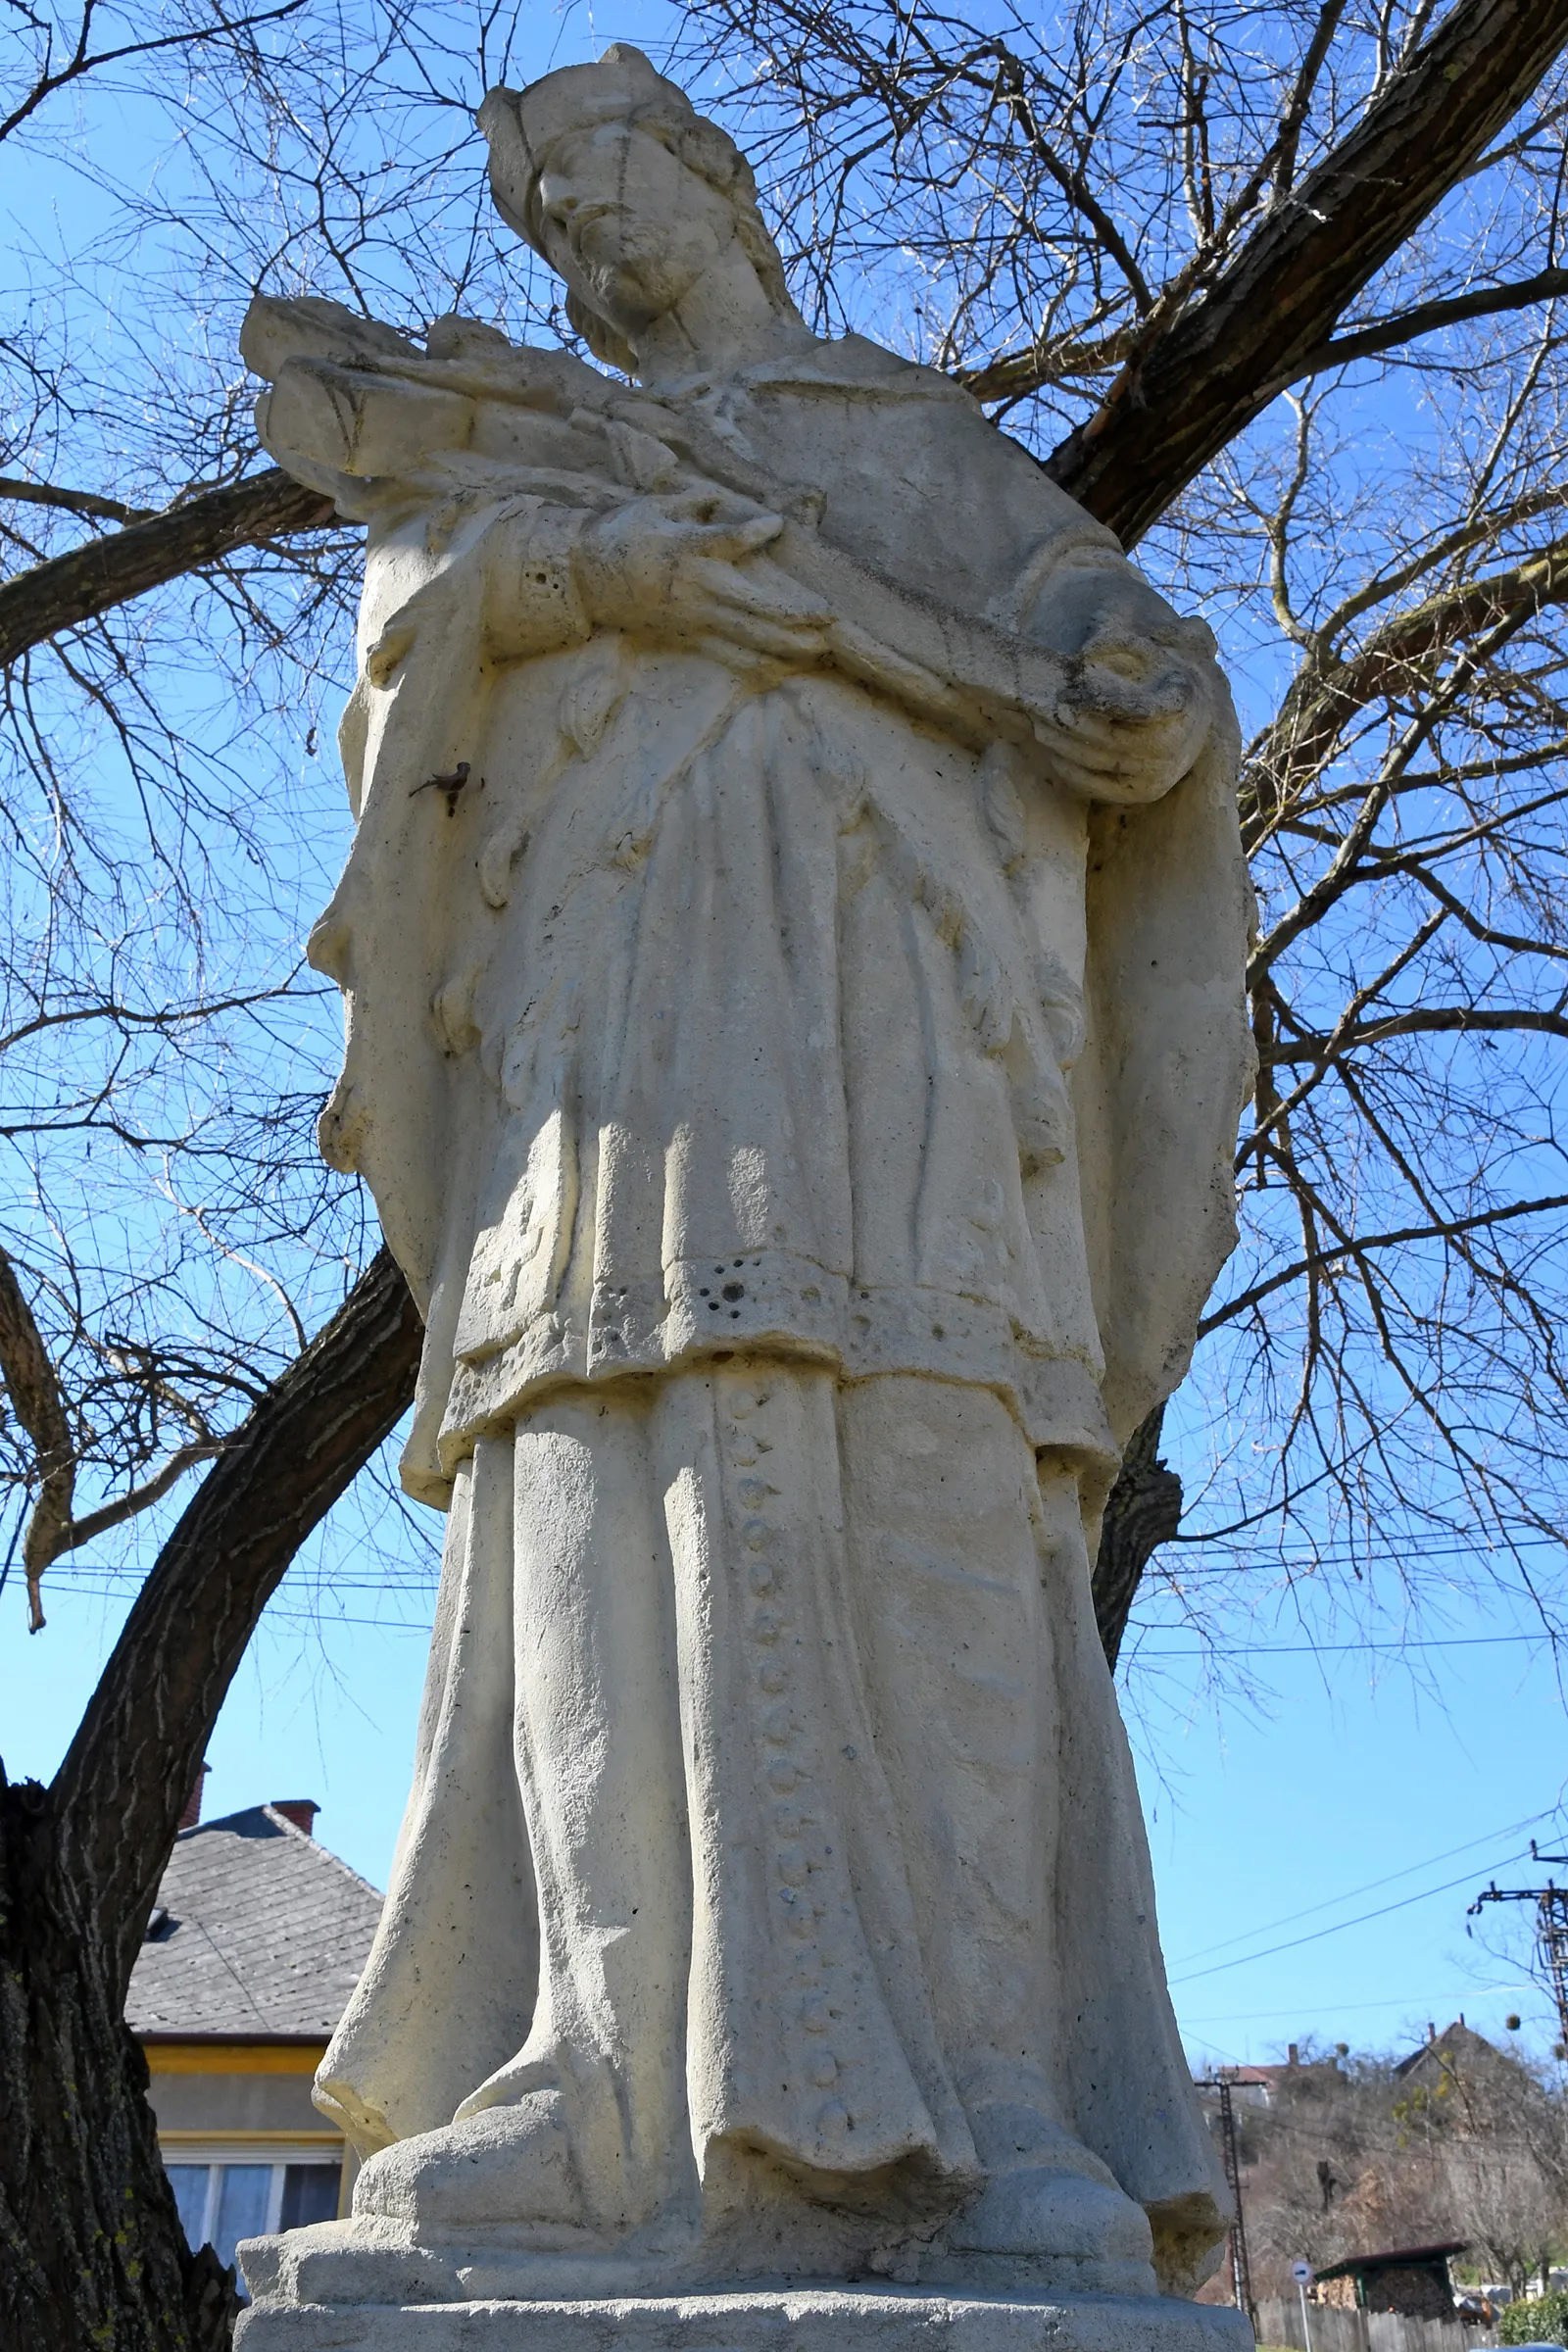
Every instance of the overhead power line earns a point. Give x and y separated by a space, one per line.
1293 1943
1422 2004
1552 1925
1338 1650
1387 1878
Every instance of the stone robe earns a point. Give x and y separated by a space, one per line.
806 1126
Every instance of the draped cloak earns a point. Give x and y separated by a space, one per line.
720 1010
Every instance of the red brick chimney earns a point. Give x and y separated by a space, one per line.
300 1810
193 1804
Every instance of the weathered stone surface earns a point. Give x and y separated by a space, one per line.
760 2321
792 952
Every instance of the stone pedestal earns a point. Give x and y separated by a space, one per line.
757 2319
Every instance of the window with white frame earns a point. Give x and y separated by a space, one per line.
222 2203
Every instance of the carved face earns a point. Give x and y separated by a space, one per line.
626 224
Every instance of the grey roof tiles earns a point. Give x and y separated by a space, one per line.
267 1933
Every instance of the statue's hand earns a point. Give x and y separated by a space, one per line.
1143 689
671 567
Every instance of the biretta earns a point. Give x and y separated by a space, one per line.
522 125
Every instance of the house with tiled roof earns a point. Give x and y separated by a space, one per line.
256 1939
1260 2086
1461 2049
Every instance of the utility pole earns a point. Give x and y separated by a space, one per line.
1551 1926
1240 2269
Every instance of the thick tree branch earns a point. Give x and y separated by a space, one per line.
118 1795
136 1500
74 502
1427 318
1358 1249
1175 406
34 1391
1434 1021
1053 361
1487 528
1019 373
69 589
1323 702
1143 1510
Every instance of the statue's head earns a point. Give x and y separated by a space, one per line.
628 191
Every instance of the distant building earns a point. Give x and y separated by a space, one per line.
1249 2085
256 1941
1442 2056
1259 2086
1412 2279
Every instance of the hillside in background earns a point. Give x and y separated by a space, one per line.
1342 2154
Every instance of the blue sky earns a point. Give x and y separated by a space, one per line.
1315 1847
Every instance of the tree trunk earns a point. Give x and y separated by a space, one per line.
91 2251
1143 1510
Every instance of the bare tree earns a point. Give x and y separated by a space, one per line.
1352 2153
90 2243
1506 2208
1250 250
1297 194
1328 2170
1394 1314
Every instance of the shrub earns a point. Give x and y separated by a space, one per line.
1541 2322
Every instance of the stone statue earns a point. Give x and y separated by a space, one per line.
793 951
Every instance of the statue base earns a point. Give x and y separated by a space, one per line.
756 2319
